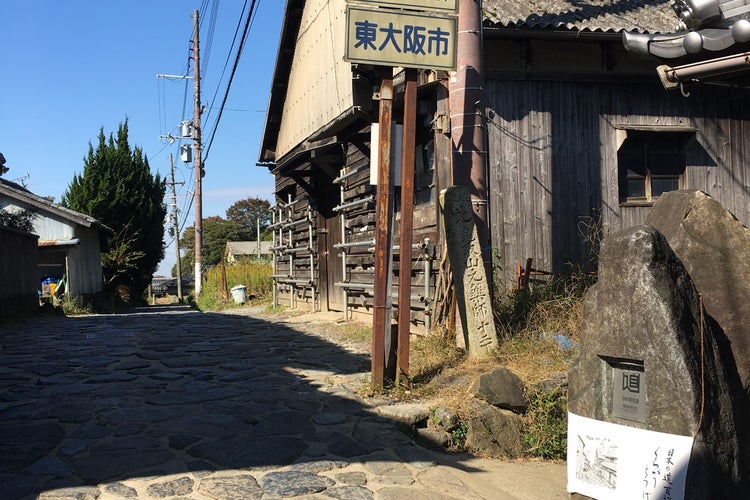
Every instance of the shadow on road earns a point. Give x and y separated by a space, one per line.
161 391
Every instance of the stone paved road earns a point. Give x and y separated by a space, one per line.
167 402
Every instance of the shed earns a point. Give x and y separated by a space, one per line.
69 243
582 139
237 250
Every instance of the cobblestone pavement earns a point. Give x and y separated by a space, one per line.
166 402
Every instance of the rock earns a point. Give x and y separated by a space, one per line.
494 431
121 490
389 472
354 478
714 248
502 388
556 381
348 493
432 438
644 311
177 487
239 487
445 418
24 444
249 451
411 414
317 466
74 493
294 483
415 456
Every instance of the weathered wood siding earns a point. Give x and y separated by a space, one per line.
320 82
553 160
18 272
323 195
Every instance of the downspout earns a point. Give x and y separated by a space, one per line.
468 135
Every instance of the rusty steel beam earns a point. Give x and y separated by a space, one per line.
381 321
407 225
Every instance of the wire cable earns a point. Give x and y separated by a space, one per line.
248 23
226 61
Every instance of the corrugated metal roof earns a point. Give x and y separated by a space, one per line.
642 16
248 247
16 192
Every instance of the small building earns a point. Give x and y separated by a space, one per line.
69 245
240 250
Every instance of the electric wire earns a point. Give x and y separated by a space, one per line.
226 61
189 200
248 24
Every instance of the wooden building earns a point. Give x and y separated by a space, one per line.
317 144
582 139
69 244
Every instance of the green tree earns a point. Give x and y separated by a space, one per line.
248 212
118 189
21 219
216 233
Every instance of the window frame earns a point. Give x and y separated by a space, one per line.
683 136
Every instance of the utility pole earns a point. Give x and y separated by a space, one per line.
197 158
176 227
467 121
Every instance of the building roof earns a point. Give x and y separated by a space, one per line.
641 16
525 17
23 195
248 247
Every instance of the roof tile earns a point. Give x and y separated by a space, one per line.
642 16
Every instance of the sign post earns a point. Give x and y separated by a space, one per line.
421 38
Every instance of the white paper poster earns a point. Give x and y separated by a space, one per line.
611 461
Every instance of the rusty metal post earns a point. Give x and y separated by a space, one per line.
381 321
407 224
467 121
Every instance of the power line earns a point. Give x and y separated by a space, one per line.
248 22
226 61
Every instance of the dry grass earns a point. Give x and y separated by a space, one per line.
535 352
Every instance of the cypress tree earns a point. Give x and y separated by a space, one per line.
118 189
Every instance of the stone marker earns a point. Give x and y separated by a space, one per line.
714 247
642 322
469 278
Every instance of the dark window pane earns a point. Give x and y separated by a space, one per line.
636 173
631 156
664 155
660 185
636 188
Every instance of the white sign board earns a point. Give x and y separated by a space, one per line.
441 5
397 138
611 461
395 38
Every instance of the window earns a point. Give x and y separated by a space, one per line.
650 163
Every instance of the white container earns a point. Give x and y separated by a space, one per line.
238 294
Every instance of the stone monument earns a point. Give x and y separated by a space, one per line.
714 247
653 369
469 278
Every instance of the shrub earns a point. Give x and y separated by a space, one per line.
255 276
546 425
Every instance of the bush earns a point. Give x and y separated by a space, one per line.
546 425
540 331
255 276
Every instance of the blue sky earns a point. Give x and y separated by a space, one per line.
67 69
